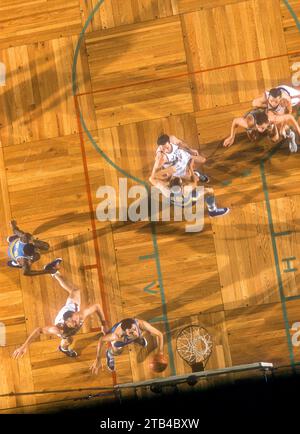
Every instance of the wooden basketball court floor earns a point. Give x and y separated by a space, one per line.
185 67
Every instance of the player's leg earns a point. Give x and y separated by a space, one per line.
74 292
13 264
291 138
41 245
115 349
212 207
36 257
287 133
65 347
294 94
141 341
66 342
198 161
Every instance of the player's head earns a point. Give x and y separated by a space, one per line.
275 96
26 237
29 249
71 319
262 121
130 328
163 140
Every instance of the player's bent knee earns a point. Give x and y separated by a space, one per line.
66 342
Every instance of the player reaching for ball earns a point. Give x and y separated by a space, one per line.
125 332
69 319
259 122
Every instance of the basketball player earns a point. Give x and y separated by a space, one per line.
258 121
187 193
124 333
175 152
279 100
23 250
69 319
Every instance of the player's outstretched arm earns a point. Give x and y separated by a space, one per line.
25 237
260 102
236 123
97 309
290 120
50 330
159 161
145 326
95 366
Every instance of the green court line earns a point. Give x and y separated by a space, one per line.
153 228
282 234
148 288
291 258
292 298
157 319
276 258
129 176
274 234
293 13
143 258
289 269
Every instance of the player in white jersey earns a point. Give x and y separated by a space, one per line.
175 153
185 192
68 321
279 100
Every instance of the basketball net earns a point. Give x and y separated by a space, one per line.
194 345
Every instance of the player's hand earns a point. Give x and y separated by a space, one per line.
228 142
94 368
284 103
194 152
103 329
19 352
13 223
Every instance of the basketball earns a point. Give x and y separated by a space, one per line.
158 363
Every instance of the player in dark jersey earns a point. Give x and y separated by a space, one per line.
23 251
182 190
258 122
125 332
68 321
